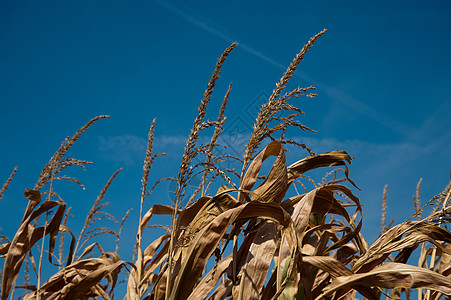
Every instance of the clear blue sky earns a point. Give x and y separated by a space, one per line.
383 73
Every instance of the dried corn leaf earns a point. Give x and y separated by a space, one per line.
81 279
258 260
208 283
390 276
26 236
156 209
151 266
223 291
329 159
4 248
137 284
337 269
445 262
206 240
275 185
212 208
405 235
320 200
187 215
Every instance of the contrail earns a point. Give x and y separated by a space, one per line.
336 94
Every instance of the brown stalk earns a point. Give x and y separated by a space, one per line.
95 214
218 129
8 181
384 209
189 153
61 248
57 159
417 201
274 104
146 168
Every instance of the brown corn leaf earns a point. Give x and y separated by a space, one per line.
206 240
223 291
274 187
328 264
259 257
207 284
156 209
81 279
390 276
445 262
320 200
187 215
4 248
137 284
149 277
399 237
26 236
212 208
329 159
337 269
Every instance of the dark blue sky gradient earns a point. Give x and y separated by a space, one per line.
383 73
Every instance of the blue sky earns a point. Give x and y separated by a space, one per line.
382 71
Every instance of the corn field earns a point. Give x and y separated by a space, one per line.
249 233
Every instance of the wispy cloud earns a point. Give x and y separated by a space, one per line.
378 158
371 158
126 149
130 149
374 164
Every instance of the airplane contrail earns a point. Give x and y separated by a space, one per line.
335 93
